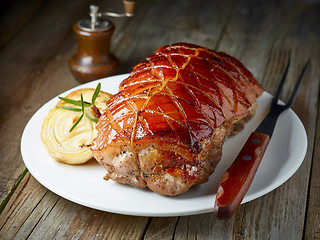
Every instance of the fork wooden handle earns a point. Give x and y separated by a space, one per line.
238 178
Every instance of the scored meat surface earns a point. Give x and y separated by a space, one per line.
166 126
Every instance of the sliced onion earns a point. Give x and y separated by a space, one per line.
71 147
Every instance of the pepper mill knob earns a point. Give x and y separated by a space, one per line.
93 59
129 6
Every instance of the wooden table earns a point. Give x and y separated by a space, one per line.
36 43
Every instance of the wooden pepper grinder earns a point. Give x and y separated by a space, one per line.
94 59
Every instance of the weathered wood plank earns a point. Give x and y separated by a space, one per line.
161 228
312 229
159 23
21 60
17 211
38 213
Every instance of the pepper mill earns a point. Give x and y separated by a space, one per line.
94 59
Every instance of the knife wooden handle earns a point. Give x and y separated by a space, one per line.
238 178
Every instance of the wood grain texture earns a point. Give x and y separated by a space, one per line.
161 228
41 214
35 49
167 22
312 230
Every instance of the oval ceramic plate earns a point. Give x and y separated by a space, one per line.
84 184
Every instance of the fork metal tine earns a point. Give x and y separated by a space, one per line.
296 87
278 92
267 125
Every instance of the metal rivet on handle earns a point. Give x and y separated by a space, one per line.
246 157
255 140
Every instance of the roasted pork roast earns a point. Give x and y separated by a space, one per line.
165 127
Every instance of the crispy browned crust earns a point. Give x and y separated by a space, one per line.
165 127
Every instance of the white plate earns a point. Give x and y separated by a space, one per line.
84 184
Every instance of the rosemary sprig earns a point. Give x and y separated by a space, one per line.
76 123
75 102
81 104
95 93
90 118
69 108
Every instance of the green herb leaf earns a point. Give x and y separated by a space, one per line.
90 118
82 103
69 108
74 102
76 123
96 93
